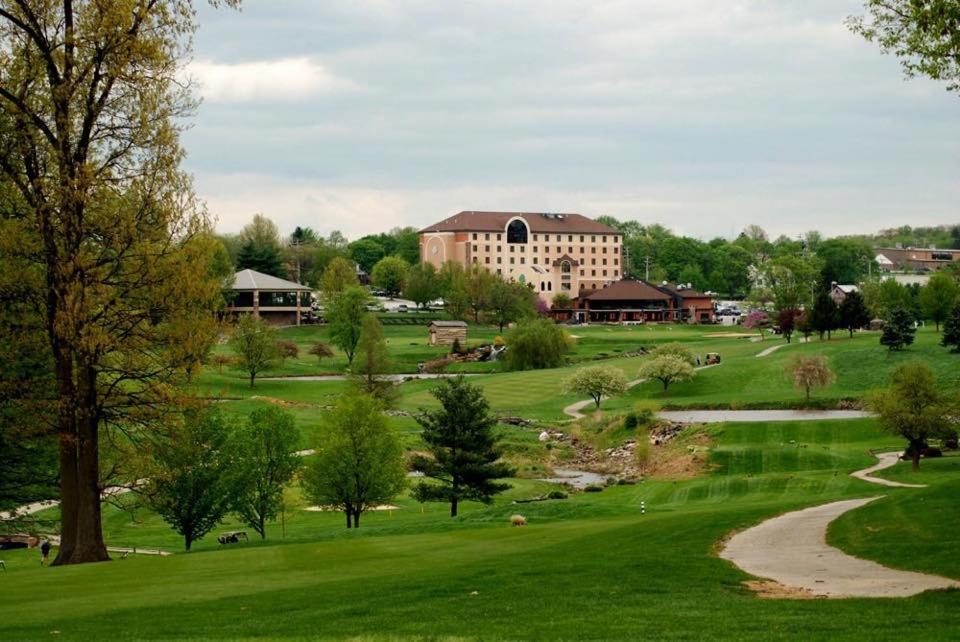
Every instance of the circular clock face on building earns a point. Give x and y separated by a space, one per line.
436 249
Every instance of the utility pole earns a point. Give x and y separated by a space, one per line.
646 263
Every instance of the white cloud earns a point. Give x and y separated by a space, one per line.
266 80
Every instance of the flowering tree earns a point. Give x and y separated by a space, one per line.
757 319
597 381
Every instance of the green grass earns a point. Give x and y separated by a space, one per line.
589 567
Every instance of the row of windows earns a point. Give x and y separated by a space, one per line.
546 249
523 261
546 237
583 272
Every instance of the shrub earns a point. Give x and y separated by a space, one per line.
557 494
288 349
221 360
321 350
646 412
518 520
593 488
536 344
456 348
437 366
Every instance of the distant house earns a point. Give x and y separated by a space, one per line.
839 292
915 259
275 300
444 333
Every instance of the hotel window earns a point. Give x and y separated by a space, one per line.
486 248
499 271
558 238
486 237
616 261
499 248
569 250
593 273
604 261
474 236
486 260
593 261
604 273
616 273
615 238
499 261
593 238
512 260
549 286
517 231
543 286
534 260
582 272
499 236
475 259
583 250
570 238
593 250
474 248
604 250
523 260
604 239
581 238
511 248
534 237
558 249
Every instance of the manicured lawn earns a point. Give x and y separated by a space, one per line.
589 567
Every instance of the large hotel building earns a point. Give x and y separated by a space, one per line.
553 252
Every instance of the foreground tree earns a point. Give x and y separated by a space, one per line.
808 373
464 461
255 346
914 408
390 275
90 108
189 481
264 461
853 312
597 382
536 344
345 314
898 330
939 296
359 461
667 370
951 330
923 35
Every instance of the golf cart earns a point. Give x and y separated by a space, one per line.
712 358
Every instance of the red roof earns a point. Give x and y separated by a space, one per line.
537 222
627 291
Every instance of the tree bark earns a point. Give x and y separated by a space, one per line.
252 376
356 518
346 511
453 507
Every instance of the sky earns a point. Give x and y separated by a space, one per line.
703 116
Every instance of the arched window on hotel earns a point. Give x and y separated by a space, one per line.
517 231
565 267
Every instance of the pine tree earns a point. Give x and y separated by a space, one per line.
464 461
898 330
853 312
951 330
824 317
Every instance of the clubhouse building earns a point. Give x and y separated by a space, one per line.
629 301
275 300
567 253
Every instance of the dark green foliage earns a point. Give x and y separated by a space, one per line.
510 302
853 313
536 344
423 284
464 461
951 330
899 330
456 348
190 485
824 317
365 253
265 460
262 258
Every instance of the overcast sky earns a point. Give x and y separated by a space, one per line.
703 115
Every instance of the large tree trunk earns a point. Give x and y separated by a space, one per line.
347 510
915 459
453 507
356 518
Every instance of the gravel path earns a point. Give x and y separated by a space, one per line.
792 550
886 460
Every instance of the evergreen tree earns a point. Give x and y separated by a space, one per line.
262 258
898 330
464 461
853 312
824 317
951 330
